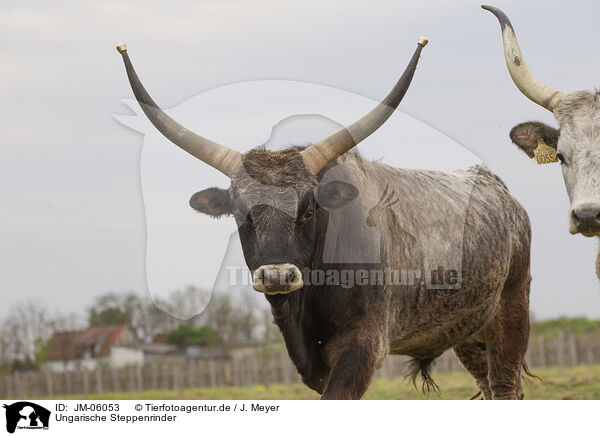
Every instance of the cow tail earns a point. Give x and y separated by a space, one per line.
531 374
423 367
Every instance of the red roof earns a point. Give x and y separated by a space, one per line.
69 345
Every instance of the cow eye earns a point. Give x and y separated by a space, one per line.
560 157
308 214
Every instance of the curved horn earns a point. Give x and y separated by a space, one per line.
318 155
527 84
217 156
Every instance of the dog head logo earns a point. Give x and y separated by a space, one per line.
26 415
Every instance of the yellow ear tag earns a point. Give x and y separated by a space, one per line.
544 154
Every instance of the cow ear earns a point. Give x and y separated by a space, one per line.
335 194
526 136
212 201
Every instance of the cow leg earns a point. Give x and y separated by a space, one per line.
507 343
473 356
353 368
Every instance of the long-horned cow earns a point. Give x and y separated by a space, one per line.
576 142
292 217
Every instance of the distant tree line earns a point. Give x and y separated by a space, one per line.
579 326
227 318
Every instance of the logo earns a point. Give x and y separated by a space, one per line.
26 415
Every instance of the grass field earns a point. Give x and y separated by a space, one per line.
580 383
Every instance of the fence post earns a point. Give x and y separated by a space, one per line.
154 376
528 356
268 374
560 349
180 377
453 361
255 373
35 384
590 351
8 386
200 374
236 369
140 378
541 352
445 361
285 368
385 370
99 389
86 384
213 373
130 379
245 376
227 368
165 376
58 383
68 382
16 385
573 350
49 386
174 377
192 373
115 379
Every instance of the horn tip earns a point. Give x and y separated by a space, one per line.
423 41
121 47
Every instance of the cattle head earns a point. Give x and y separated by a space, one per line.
577 139
277 198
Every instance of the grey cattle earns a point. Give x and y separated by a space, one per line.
576 141
437 260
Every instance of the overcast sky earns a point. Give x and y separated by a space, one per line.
72 220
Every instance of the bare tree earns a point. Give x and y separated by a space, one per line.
141 314
238 317
26 329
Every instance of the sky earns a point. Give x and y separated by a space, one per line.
73 219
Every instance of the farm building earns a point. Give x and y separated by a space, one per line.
113 346
157 352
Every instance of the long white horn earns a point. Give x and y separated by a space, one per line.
527 84
217 156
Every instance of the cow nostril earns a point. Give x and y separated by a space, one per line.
290 276
586 219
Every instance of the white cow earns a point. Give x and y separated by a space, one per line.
576 142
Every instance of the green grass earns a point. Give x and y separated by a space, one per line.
580 383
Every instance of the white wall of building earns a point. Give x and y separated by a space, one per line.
118 357
71 365
124 356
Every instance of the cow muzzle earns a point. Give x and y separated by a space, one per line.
281 278
585 220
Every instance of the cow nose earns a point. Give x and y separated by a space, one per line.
277 279
586 219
